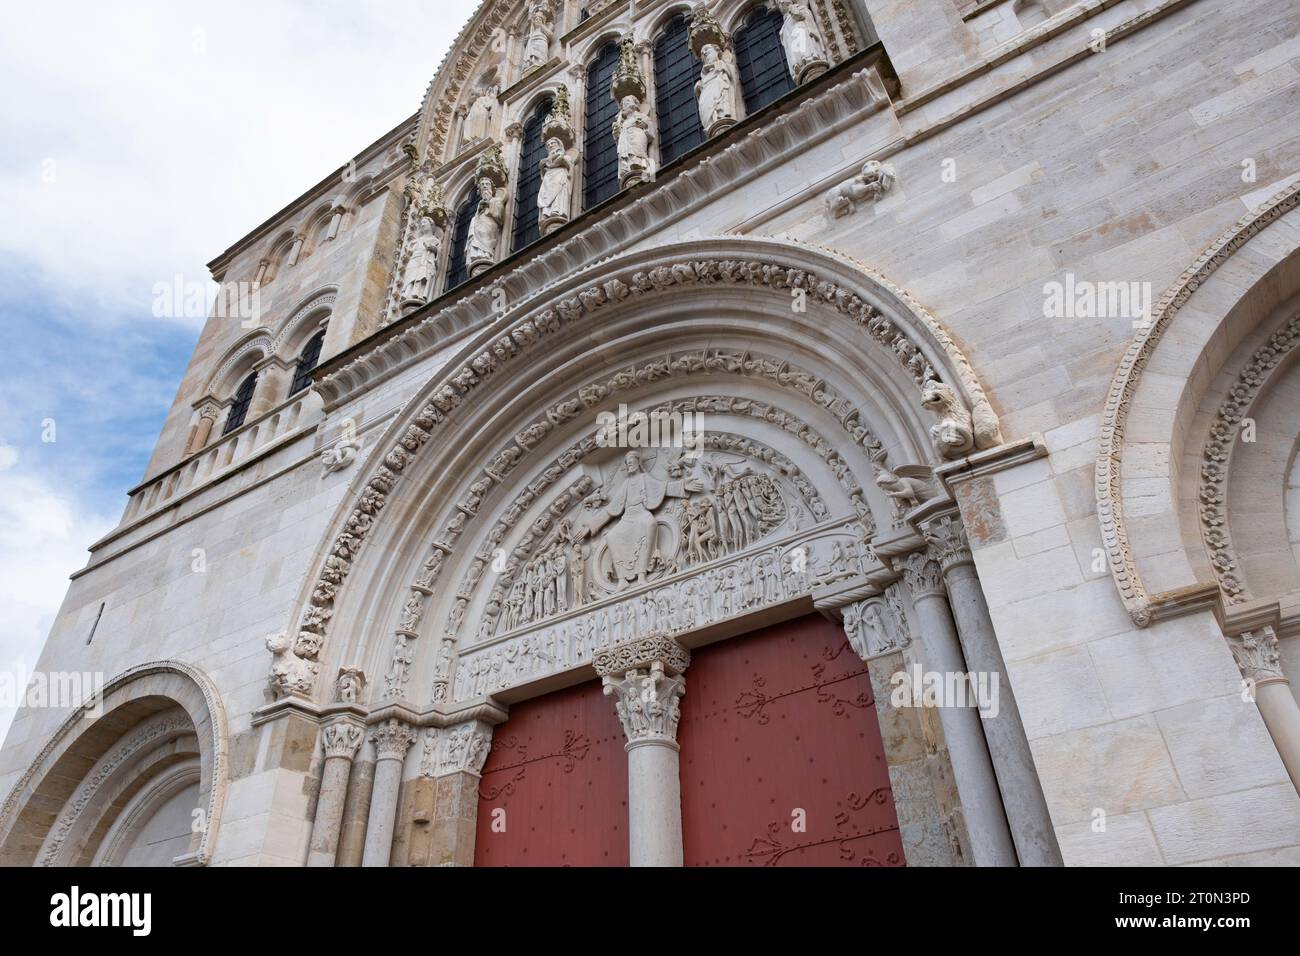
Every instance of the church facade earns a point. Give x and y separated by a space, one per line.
730 433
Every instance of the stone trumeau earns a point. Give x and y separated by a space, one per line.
688 394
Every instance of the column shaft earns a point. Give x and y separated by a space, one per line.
391 742
329 811
654 804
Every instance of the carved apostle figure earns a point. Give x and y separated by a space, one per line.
801 38
633 131
478 121
541 31
485 227
555 195
715 91
422 266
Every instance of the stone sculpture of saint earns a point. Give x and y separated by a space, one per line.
715 91
537 49
632 130
485 227
422 266
478 121
554 196
801 38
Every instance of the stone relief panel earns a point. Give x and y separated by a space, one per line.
764 576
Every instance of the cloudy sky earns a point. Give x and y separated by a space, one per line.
139 139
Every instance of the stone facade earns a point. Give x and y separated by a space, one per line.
905 305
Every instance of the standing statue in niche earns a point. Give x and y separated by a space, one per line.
478 120
559 167
635 135
802 39
541 31
716 90
485 228
422 266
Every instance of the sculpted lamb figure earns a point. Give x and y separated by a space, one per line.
952 434
875 179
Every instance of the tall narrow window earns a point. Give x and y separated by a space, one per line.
307 362
676 71
600 150
239 406
764 74
457 271
529 178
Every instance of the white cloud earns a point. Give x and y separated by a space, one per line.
43 539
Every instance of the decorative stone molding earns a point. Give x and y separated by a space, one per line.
342 739
1110 502
873 181
1216 458
185 684
1257 656
644 677
392 739
641 653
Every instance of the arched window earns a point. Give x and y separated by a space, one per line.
764 74
307 362
529 178
239 406
600 150
676 71
457 271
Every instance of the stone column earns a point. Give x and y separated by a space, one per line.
336 219
341 741
203 428
459 753
976 783
392 738
1257 656
1022 794
644 678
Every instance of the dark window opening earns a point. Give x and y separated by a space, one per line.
529 178
239 407
458 270
764 73
676 72
600 149
307 362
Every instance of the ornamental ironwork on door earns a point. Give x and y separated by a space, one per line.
554 788
782 762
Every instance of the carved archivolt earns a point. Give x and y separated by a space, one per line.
1216 457
172 679
520 338
1110 503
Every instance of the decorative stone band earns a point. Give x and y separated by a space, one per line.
783 571
1256 654
1217 456
646 684
1110 503
392 739
342 739
639 654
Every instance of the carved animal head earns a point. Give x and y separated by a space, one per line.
938 397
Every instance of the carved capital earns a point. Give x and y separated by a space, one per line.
647 701
877 626
642 654
1257 656
342 739
948 544
922 574
392 739
461 748
210 410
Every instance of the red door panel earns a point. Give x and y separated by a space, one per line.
777 721
558 770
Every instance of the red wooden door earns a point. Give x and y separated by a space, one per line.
782 762
558 770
